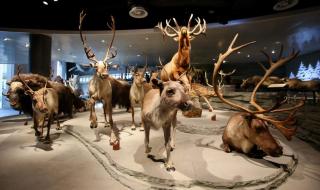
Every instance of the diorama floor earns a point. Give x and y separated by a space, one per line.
74 160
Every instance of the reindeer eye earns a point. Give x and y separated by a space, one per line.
170 92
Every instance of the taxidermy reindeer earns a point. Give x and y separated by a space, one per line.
222 76
137 92
159 109
180 62
248 129
100 88
45 104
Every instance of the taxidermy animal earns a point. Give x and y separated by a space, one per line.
180 62
137 93
45 105
159 110
248 129
20 101
100 88
251 82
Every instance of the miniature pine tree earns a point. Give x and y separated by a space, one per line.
316 71
309 72
291 76
301 71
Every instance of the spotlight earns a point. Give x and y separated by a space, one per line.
138 12
45 2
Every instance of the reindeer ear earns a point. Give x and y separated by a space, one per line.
8 82
158 83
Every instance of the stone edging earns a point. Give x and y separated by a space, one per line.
123 174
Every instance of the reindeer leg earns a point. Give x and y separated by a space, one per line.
167 138
173 135
146 137
142 125
36 124
47 139
105 110
58 122
133 126
93 116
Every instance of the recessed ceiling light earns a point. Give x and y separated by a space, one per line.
147 38
6 39
27 45
248 55
103 41
238 52
273 52
45 2
138 55
138 12
59 49
55 0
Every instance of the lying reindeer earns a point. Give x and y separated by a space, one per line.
248 129
159 109
45 104
137 93
100 88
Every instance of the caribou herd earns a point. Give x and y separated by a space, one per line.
160 99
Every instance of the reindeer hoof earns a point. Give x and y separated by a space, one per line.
170 168
148 150
116 145
93 125
37 134
107 125
141 129
25 123
226 148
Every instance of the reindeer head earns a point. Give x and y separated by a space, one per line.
39 101
138 77
257 118
173 95
185 33
101 66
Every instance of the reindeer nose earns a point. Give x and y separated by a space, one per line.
105 75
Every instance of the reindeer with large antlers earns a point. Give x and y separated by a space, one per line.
100 87
180 62
249 129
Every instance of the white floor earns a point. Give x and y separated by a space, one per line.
67 163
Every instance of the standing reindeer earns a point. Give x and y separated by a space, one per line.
248 130
100 88
45 104
180 62
159 109
137 93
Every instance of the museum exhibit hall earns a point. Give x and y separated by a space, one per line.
160 94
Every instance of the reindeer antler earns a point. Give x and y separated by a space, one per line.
201 27
88 50
259 113
113 28
23 82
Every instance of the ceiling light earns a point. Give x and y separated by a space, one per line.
59 49
103 41
248 55
147 38
55 0
45 2
238 52
273 52
277 42
282 5
138 55
27 45
138 12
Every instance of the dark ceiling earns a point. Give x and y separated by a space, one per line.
64 14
